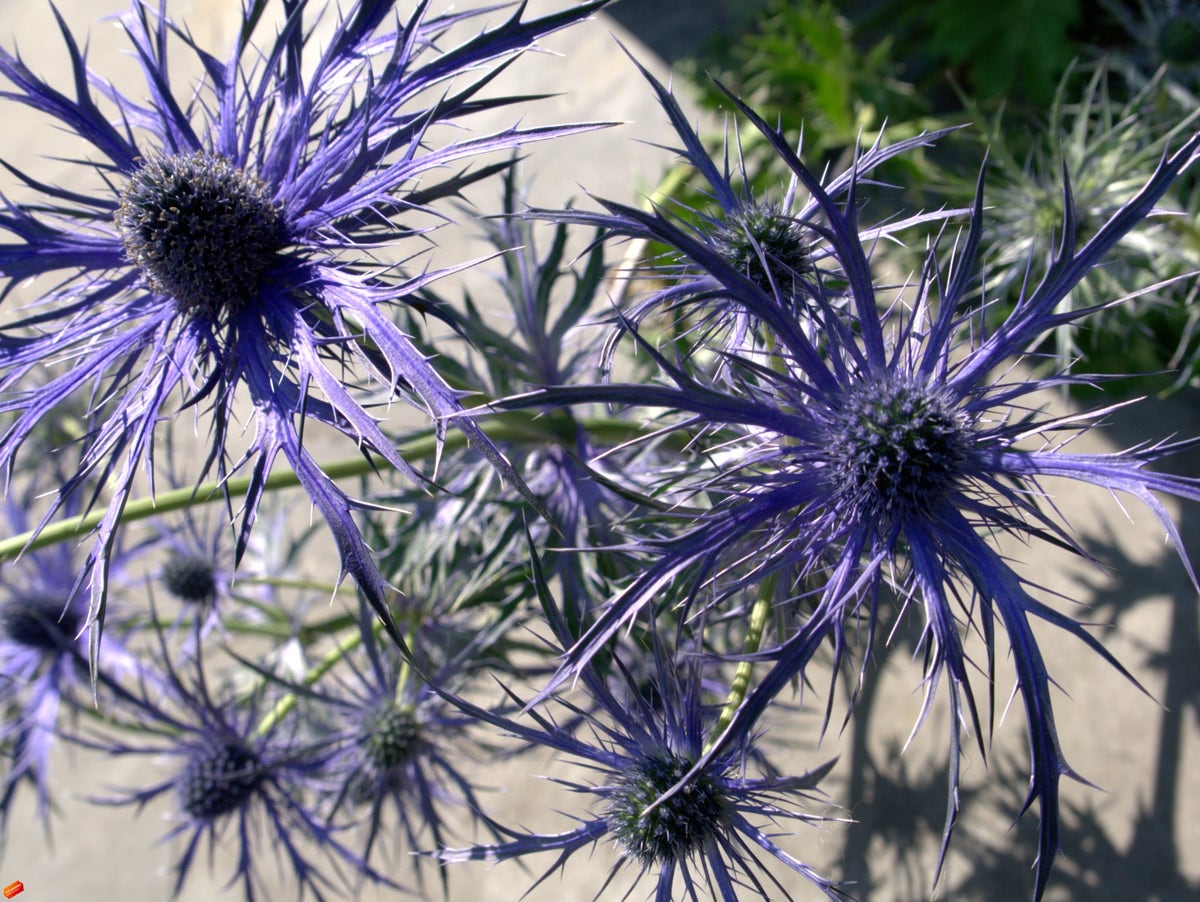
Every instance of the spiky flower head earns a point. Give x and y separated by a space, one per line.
681 825
391 736
761 241
191 578
202 232
738 246
1162 32
229 248
219 776
234 777
897 450
40 623
1178 40
196 563
873 450
1107 148
658 835
397 754
43 656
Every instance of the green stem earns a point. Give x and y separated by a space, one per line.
675 179
506 427
206 493
279 582
758 618
754 634
501 428
285 705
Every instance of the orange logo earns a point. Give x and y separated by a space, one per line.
13 889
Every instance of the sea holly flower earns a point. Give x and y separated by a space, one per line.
234 778
43 659
195 571
747 263
1163 32
229 249
638 741
882 456
397 748
1108 136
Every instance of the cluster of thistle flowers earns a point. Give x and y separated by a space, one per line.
613 539
1113 117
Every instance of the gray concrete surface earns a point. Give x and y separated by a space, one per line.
1138 839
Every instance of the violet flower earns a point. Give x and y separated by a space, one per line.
233 781
639 741
868 448
43 658
229 250
397 748
774 259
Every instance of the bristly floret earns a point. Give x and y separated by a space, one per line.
218 778
43 669
677 828
39 623
1108 129
895 449
641 739
1160 32
1179 40
232 778
392 737
229 249
196 568
202 232
743 266
394 779
190 577
765 244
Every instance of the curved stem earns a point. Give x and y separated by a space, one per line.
513 426
284 706
754 634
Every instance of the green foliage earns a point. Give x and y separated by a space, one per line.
1023 44
1106 130
800 62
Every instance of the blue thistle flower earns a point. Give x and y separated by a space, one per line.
879 454
191 578
196 569
231 778
769 248
644 741
197 582
43 659
396 746
229 250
